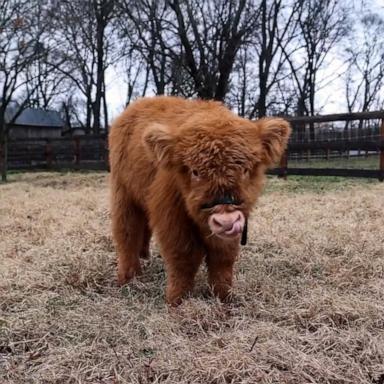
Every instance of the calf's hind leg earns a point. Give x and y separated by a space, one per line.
147 233
130 232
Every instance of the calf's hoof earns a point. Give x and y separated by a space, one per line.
125 275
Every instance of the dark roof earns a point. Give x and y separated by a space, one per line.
35 117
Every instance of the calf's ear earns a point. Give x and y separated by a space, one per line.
159 143
274 134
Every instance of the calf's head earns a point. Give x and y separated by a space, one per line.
218 164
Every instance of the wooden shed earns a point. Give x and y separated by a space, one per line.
35 123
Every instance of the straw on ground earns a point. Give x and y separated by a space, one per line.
308 302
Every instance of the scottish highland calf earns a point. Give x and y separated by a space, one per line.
190 171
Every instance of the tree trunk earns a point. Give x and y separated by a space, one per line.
301 111
67 117
105 107
89 114
99 77
262 102
312 93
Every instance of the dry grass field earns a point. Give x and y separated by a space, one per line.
308 303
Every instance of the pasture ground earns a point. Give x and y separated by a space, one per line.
308 303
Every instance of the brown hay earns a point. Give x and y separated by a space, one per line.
308 303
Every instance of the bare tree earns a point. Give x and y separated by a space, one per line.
144 25
322 25
70 106
278 27
364 79
189 46
84 52
261 64
44 84
73 56
243 88
20 46
103 12
210 34
137 84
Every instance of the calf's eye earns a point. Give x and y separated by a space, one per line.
195 175
246 173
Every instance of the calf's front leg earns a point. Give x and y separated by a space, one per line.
181 271
220 261
182 252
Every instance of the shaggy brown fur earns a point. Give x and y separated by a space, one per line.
169 157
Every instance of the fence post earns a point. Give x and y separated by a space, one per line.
381 172
328 151
284 165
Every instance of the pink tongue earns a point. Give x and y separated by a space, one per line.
236 228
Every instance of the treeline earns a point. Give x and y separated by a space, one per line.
259 56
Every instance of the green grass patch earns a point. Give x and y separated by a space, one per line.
318 184
370 162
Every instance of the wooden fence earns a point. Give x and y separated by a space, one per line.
335 138
80 152
316 138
